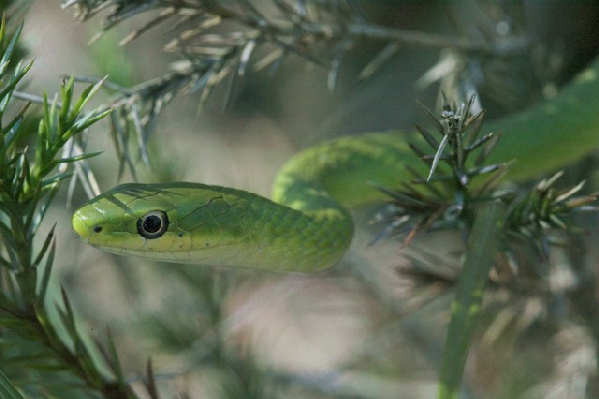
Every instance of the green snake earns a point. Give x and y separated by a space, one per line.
307 225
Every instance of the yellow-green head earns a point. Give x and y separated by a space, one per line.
181 222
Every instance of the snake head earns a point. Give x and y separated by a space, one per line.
214 226
179 222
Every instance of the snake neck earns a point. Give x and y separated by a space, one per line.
323 182
325 225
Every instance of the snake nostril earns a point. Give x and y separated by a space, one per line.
97 229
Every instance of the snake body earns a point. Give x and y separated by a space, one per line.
307 225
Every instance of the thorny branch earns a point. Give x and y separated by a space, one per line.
220 40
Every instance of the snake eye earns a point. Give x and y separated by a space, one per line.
153 224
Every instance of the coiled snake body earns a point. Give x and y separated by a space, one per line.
307 226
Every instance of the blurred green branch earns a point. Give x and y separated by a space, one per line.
220 41
294 23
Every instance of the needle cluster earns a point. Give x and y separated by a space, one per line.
39 337
459 180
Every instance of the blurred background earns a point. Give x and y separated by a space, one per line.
364 329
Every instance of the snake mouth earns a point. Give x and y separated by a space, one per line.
81 228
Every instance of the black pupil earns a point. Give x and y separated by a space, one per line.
152 224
